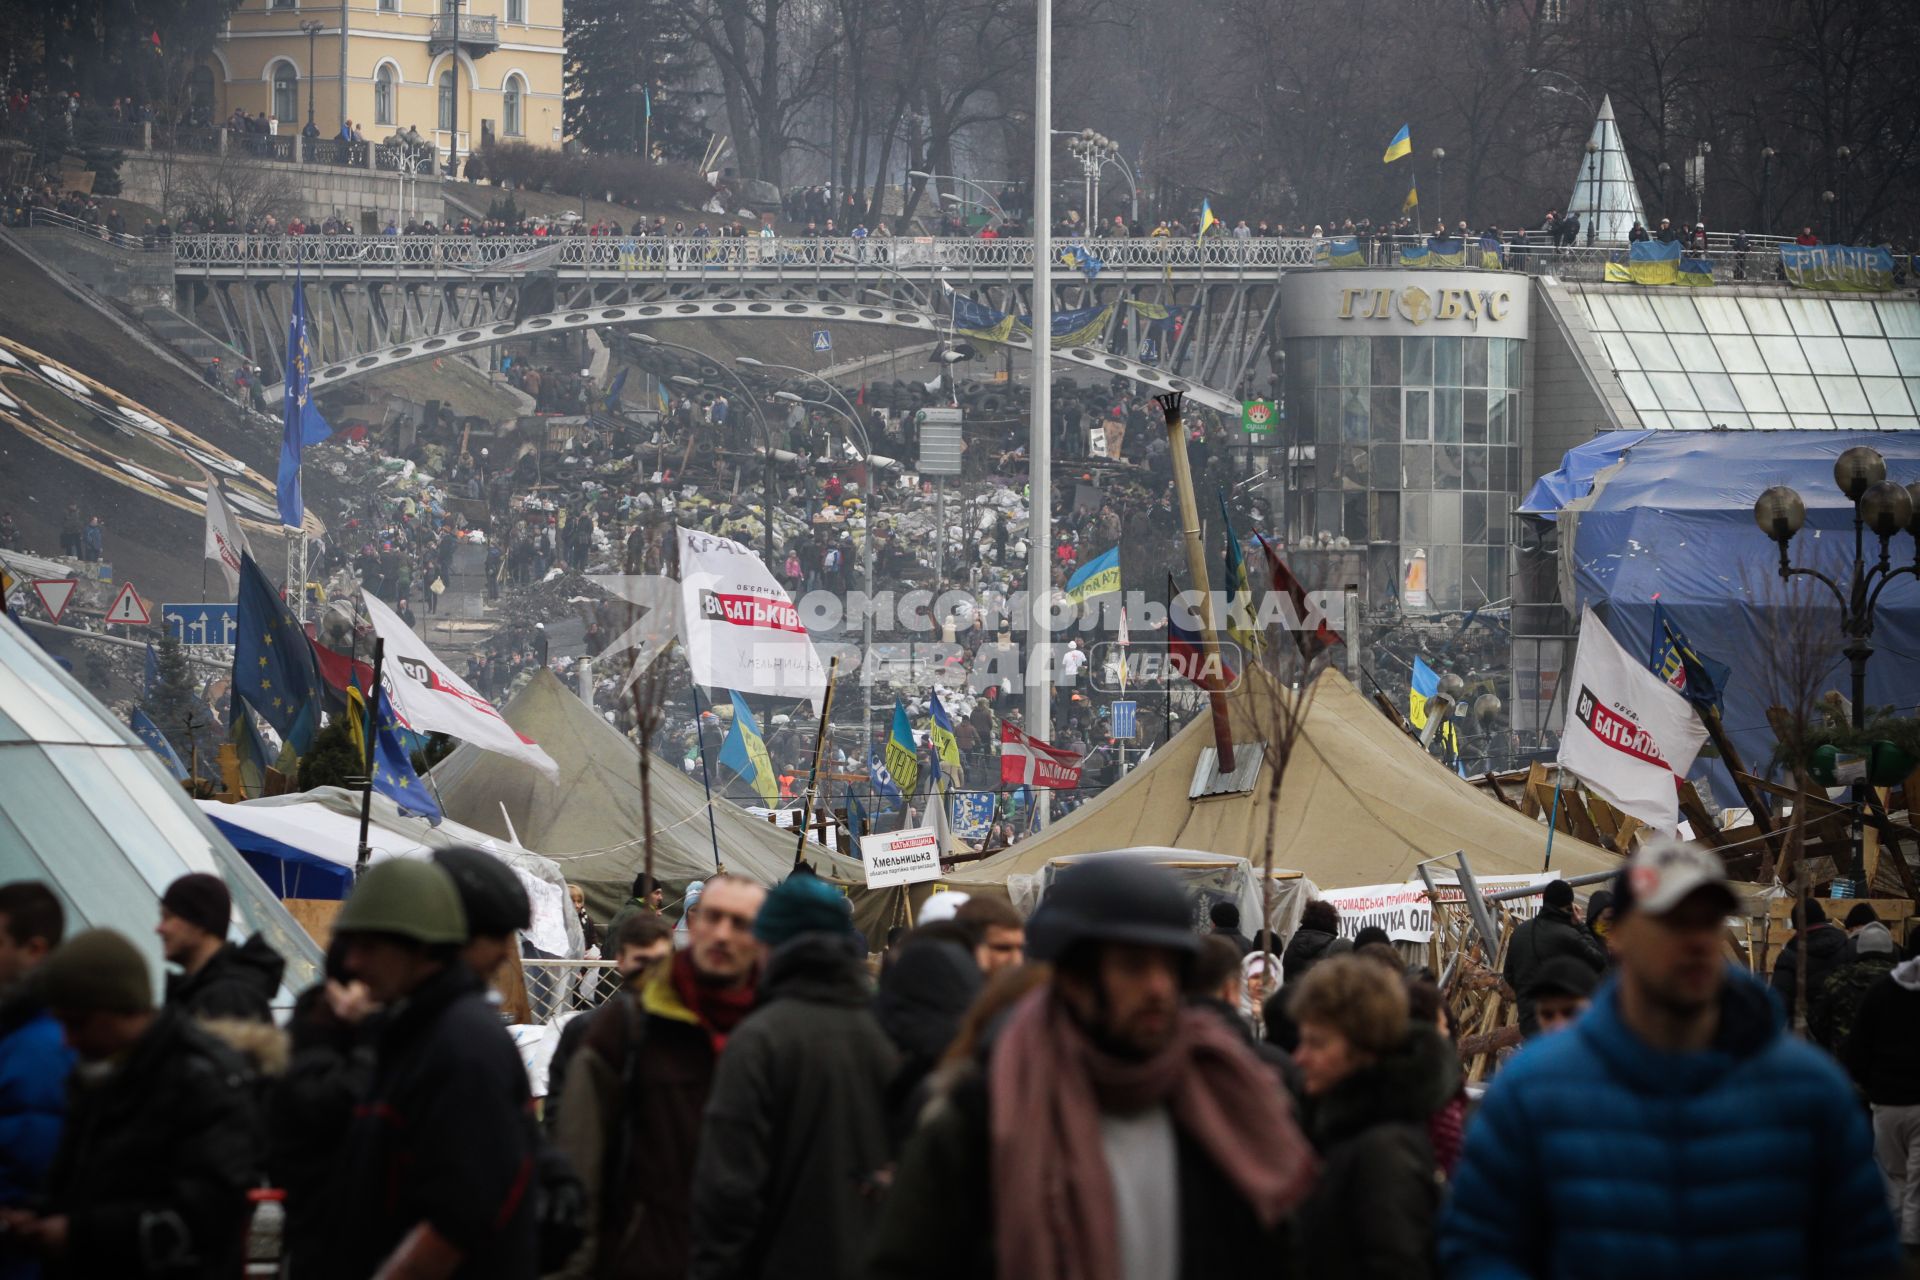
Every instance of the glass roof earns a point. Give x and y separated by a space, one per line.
1702 360
87 809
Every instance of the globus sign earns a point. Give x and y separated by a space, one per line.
1259 417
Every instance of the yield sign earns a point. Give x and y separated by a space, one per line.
54 594
127 607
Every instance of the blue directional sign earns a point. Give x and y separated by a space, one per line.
1126 720
823 341
201 623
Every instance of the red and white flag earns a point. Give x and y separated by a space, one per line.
1628 735
1026 759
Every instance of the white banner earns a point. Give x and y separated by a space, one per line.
1628 736
1404 912
739 626
226 540
430 698
901 857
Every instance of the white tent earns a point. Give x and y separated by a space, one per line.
301 844
1605 183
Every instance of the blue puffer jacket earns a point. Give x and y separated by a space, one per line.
34 1065
1596 1156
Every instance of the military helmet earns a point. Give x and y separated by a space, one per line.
406 897
490 892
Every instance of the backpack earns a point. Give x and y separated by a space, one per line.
833 560
793 565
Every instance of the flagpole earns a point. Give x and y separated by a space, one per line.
1040 424
819 753
1166 671
706 780
373 727
1170 403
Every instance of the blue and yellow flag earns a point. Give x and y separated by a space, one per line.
1649 262
273 667
885 789
1837 266
666 401
301 423
1206 218
977 320
393 774
946 747
1097 577
903 761
1077 257
1402 145
1344 252
1240 607
1426 683
745 752
1412 202
1696 677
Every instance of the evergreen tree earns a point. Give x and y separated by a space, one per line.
332 761
614 48
172 703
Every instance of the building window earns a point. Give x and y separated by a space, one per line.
283 4
512 95
446 100
286 93
517 12
389 6
383 95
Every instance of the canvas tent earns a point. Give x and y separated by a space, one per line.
1361 804
304 845
591 823
87 809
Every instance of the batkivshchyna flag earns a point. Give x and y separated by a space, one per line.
1097 577
1206 217
1628 736
1240 608
745 752
1402 145
946 747
903 761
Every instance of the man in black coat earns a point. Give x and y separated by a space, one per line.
217 980
159 1150
1827 946
793 1149
1554 932
436 1172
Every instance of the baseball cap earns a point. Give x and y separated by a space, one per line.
1663 872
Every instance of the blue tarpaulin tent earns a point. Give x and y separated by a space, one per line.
1669 515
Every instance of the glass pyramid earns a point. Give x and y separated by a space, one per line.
1605 183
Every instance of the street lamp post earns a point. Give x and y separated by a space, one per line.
1844 155
312 28
1766 179
1440 186
766 435
1593 190
1884 507
1829 199
1664 169
991 203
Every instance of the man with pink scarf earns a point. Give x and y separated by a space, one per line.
1105 1130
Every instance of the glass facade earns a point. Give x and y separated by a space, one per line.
1769 362
1416 447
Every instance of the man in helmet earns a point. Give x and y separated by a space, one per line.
438 1162
496 906
1108 1129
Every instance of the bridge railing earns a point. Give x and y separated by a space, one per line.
40 216
639 254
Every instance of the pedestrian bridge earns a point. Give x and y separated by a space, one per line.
1194 316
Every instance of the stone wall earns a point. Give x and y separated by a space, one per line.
125 275
366 197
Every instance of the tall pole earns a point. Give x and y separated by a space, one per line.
453 134
1197 569
1040 424
365 854
819 758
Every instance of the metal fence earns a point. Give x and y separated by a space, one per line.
556 987
43 217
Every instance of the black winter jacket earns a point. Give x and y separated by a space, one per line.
309 1110
1828 947
238 982
1547 936
793 1148
1306 948
1882 1052
1372 1213
922 999
157 1158
443 1135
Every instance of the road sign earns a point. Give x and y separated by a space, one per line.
822 341
940 439
128 608
1126 720
201 623
54 594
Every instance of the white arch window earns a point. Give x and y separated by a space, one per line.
286 93
513 97
383 94
446 100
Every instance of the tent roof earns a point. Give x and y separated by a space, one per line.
1361 804
591 822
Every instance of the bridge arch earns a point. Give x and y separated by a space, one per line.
456 341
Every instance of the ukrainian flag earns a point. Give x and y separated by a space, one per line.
1426 683
1648 262
1694 272
1240 607
1413 255
666 401
945 745
1402 145
1412 201
1097 577
903 762
1447 253
1339 253
745 752
1206 218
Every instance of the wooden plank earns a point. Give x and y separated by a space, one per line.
1573 803
1530 798
1704 828
316 916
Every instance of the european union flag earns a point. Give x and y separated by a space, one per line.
393 775
149 732
273 667
301 423
1693 675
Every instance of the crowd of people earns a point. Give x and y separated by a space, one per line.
1097 1090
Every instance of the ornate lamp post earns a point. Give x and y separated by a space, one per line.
1829 199
1844 155
1766 181
1440 185
1884 507
1593 190
1664 169
312 28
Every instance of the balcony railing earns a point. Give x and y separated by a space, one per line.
469 30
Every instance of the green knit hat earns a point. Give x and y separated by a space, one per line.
97 970
802 904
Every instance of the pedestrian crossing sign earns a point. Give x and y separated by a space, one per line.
822 341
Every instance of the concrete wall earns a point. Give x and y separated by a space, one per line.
1574 392
125 275
318 190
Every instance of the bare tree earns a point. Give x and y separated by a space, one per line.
229 186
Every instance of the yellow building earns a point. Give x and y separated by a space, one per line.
490 68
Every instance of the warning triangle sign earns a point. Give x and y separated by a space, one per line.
127 607
54 594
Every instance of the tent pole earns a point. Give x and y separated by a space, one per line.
819 753
1170 403
706 780
365 853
